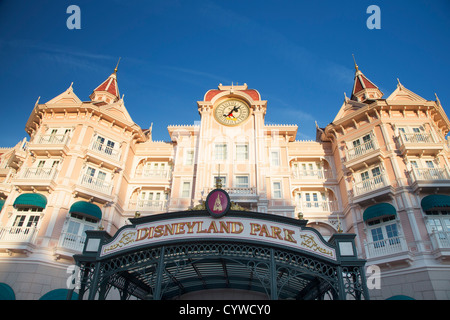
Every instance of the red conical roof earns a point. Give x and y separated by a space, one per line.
109 85
361 82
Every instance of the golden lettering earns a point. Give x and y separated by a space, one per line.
288 235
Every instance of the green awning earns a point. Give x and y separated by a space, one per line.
2 202
31 199
400 297
58 294
6 292
435 201
86 208
379 210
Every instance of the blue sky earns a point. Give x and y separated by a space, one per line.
297 54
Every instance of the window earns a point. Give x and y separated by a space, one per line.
151 199
220 151
275 158
439 222
189 157
242 152
105 145
95 177
276 186
25 219
384 232
186 189
223 180
241 182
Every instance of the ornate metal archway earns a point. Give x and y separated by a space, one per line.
167 256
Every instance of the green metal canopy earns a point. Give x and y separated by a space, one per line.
379 210
435 201
86 208
31 199
2 202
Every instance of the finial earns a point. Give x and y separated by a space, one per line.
219 180
339 230
437 100
345 97
115 70
356 66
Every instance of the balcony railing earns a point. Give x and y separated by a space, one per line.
406 138
420 174
53 139
244 191
371 184
95 184
105 150
440 239
18 234
311 174
71 241
38 173
153 173
149 205
317 206
386 247
361 150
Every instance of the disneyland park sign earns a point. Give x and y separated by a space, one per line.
237 226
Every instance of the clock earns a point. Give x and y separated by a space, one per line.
232 112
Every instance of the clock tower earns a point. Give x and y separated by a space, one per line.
231 145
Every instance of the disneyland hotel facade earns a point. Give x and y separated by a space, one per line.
379 170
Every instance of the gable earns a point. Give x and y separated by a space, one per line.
67 97
401 93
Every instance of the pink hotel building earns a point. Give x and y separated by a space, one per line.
379 170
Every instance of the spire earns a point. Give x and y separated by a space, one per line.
363 88
115 70
356 66
108 91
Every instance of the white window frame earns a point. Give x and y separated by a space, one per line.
223 178
188 159
239 154
275 161
182 189
236 185
224 154
274 190
382 225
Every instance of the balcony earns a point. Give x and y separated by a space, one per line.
237 194
101 153
441 244
50 144
318 174
419 144
317 206
153 174
149 205
71 241
429 178
362 155
37 178
386 247
376 188
89 186
17 238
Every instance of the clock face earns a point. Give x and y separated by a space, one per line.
231 112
